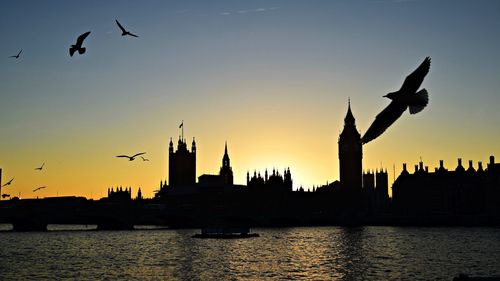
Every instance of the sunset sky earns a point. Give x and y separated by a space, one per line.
272 78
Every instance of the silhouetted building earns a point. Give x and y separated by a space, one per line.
119 194
458 192
270 183
182 164
350 154
139 194
381 189
369 181
375 188
225 176
226 172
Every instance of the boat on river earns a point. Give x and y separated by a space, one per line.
225 233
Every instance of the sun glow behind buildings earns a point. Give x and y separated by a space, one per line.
273 84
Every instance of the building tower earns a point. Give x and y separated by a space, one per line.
182 164
226 172
350 154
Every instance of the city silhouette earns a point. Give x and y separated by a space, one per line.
461 197
296 142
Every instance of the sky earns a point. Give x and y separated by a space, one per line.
272 78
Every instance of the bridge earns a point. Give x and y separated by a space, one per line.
36 214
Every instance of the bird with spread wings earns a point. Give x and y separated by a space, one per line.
38 188
130 158
78 45
18 54
8 183
406 97
41 167
124 31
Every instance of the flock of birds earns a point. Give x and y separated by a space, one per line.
12 179
407 97
130 158
78 46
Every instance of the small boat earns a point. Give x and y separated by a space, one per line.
225 233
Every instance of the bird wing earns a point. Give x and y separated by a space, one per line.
120 26
415 79
82 37
41 187
383 120
20 52
138 154
131 34
124 156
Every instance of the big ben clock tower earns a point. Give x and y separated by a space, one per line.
350 154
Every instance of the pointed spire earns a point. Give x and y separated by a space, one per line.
349 118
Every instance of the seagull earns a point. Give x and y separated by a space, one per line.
5 195
144 159
40 168
78 45
17 56
131 158
38 188
8 183
406 97
125 32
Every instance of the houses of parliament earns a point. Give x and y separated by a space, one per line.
463 196
353 181
467 191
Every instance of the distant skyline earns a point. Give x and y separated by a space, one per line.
272 78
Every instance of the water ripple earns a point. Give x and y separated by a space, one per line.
316 253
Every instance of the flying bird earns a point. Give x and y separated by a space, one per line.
124 32
131 158
406 97
78 45
38 188
5 195
8 183
144 159
17 56
40 168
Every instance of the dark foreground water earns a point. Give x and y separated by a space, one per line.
309 253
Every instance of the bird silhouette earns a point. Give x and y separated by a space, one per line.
124 32
78 45
17 56
406 97
40 168
38 188
8 183
5 195
144 159
131 158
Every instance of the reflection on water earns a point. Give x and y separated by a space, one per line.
319 253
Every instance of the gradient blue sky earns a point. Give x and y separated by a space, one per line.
270 77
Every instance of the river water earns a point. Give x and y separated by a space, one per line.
306 253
